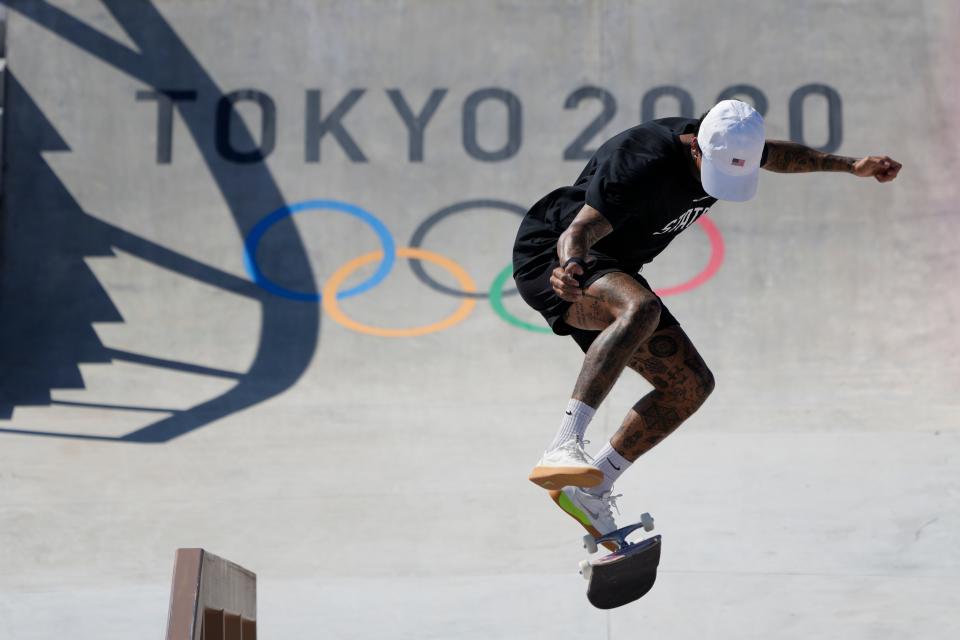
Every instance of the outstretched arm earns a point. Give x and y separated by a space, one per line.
790 157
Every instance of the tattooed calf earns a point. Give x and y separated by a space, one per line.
681 383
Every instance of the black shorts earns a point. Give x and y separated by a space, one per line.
533 283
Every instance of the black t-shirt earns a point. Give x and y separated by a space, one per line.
642 180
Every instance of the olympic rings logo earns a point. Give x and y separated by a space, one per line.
331 293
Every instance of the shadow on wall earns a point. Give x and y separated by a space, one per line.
49 298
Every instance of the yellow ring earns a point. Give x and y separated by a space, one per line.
332 307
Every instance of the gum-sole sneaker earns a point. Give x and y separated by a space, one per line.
559 477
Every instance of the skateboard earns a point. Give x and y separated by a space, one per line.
625 575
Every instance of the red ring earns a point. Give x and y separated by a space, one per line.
713 265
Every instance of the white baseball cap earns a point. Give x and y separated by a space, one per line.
731 139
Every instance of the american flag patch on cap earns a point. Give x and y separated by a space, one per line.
738 162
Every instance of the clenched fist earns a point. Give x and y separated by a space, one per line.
564 281
883 168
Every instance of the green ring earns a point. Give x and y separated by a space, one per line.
496 301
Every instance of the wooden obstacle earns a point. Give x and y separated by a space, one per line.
211 599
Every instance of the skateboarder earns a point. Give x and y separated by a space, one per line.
576 260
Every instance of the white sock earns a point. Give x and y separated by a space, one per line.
613 465
574 424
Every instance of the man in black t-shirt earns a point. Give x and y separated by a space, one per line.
576 261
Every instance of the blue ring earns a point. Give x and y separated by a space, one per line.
260 229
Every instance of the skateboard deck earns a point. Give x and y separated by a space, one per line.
625 575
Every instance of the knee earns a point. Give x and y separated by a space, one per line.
694 387
642 316
706 384
709 382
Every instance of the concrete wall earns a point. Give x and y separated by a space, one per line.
162 389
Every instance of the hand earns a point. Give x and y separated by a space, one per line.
882 168
564 282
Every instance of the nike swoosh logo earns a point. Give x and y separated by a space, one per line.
702 199
568 413
613 465
595 516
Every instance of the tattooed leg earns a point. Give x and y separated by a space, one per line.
682 382
626 314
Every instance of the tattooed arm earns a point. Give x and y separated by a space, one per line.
790 157
584 232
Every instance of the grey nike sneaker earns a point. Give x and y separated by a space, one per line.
595 513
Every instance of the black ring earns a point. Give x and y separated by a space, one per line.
416 241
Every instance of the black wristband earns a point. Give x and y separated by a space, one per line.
577 261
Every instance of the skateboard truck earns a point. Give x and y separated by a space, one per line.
618 537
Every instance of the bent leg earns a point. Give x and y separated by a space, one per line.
682 382
626 314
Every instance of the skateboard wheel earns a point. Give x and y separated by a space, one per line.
586 569
647 521
589 543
